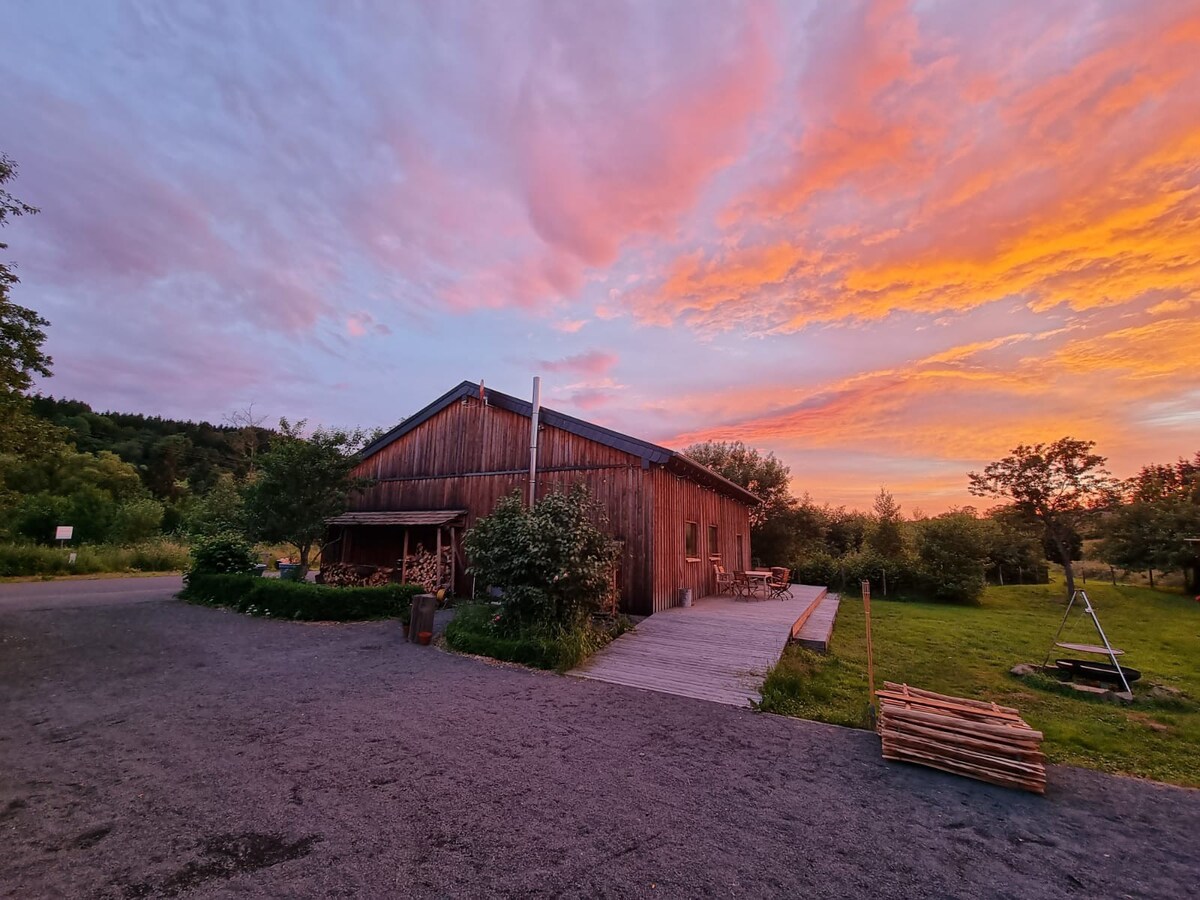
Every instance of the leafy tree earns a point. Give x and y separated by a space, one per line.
846 530
137 520
302 482
885 536
1150 531
761 474
553 562
21 330
1050 485
221 510
1015 551
952 552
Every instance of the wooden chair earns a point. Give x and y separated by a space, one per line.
724 580
780 584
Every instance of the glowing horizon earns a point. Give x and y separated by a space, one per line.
886 241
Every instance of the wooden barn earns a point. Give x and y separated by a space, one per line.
446 466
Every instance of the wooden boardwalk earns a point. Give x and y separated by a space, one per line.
720 649
818 629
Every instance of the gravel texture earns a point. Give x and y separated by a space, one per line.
155 749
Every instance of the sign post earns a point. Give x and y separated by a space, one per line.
63 533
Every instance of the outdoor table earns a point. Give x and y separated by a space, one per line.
759 578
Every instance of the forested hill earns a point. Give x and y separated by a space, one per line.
171 456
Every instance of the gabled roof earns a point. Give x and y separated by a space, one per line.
650 454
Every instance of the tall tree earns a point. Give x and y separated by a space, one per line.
302 482
1158 525
1051 485
21 330
762 474
885 536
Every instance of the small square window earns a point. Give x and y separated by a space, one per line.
714 546
691 540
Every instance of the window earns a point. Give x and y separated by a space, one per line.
714 548
691 540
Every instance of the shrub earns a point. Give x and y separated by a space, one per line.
222 554
552 563
952 552
479 628
137 520
818 568
275 598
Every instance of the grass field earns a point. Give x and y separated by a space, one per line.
968 651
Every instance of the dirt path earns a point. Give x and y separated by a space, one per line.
158 749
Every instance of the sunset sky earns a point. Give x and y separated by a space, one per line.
887 241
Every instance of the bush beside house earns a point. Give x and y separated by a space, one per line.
552 567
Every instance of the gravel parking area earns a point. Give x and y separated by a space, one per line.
157 749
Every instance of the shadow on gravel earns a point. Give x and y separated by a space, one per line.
225 855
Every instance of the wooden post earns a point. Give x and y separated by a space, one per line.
438 568
453 554
404 559
866 594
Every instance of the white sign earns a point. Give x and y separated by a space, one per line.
64 532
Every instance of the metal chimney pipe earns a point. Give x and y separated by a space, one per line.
533 439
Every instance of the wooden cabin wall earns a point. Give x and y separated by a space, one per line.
468 456
677 501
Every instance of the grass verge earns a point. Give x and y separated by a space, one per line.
968 651
26 560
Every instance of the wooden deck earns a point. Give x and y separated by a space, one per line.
720 649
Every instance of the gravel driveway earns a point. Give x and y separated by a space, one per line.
157 749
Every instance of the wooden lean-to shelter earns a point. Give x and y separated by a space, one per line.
445 467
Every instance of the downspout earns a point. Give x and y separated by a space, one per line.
533 439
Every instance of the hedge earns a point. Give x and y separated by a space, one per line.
279 599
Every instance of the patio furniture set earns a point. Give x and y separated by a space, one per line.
755 584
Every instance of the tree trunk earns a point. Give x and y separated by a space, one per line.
305 549
1065 555
1150 572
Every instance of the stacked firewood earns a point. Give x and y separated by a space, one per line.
351 575
422 569
966 737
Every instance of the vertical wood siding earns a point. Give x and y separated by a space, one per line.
677 501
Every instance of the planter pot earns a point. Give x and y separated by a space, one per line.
685 596
424 638
405 624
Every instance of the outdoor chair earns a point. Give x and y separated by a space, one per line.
741 585
780 584
724 580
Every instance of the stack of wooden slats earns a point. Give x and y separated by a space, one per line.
966 737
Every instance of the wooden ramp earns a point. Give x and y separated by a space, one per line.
720 649
818 629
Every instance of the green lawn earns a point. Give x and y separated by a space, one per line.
968 651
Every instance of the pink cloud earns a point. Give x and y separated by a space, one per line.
591 364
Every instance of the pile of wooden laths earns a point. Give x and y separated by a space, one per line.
967 737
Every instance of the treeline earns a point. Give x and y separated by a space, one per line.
1057 495
949 557
116 477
